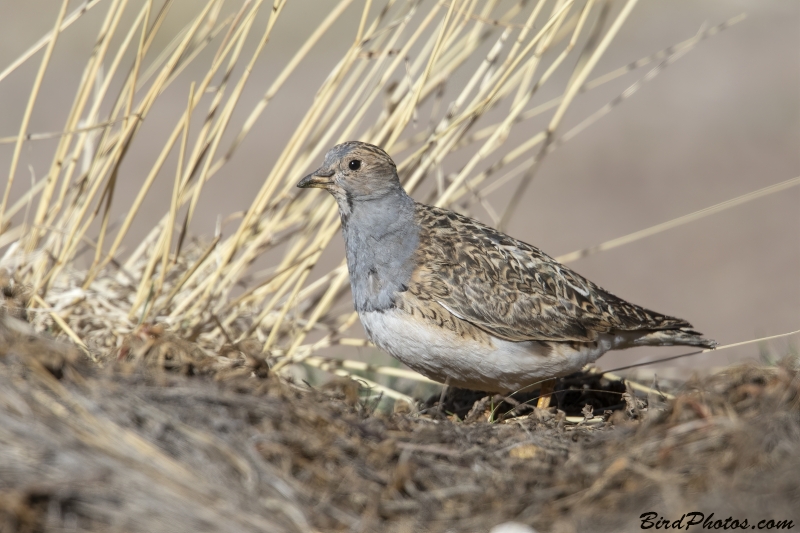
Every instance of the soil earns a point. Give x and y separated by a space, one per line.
163 437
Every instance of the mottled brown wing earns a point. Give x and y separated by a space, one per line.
513 290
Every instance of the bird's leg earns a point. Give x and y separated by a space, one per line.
545 392
442 395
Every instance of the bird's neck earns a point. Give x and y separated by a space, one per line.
380 238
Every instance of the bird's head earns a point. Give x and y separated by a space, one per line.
355 170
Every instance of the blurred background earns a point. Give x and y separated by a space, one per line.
722 121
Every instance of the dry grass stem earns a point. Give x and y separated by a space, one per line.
391 86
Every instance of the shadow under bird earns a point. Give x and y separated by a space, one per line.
462 303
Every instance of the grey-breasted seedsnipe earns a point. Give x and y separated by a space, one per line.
462 303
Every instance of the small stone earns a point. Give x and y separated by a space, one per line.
512 527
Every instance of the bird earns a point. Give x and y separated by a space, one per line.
464 304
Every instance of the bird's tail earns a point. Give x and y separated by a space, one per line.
675 337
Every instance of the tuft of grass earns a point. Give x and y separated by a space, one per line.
391 87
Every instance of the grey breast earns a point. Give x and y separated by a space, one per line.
381 239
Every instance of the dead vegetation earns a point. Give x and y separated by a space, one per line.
259 278
166 439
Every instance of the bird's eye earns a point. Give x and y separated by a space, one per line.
355 164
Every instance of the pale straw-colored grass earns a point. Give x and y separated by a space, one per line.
403 54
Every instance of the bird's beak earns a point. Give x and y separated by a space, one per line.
319 179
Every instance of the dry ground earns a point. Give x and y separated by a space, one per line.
165 438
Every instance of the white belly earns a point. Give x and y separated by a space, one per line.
497 365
